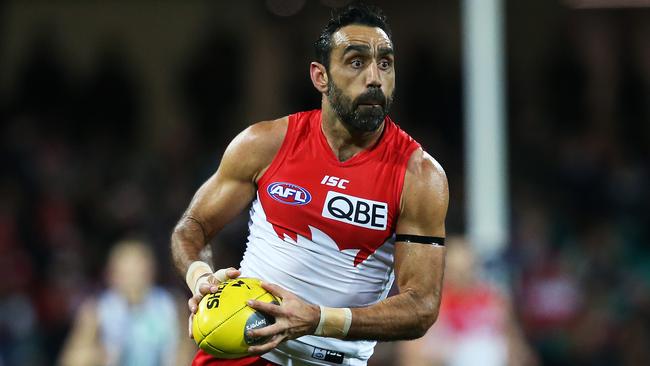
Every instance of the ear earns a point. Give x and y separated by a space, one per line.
318 76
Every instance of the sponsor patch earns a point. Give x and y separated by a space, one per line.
356 211
327 355
288 193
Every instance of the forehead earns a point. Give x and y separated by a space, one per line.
360 34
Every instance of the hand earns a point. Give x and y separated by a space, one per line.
207 288
293 318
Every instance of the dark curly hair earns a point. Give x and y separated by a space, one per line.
354 13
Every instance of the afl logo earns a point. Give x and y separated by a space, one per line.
288 193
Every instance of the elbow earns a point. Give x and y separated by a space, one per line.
426 316
174 239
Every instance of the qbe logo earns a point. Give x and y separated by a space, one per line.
356 211
288 193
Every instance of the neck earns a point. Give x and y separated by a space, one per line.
344 141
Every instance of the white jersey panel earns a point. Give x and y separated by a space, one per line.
317 271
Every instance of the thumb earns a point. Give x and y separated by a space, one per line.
190 326
225 274
233 272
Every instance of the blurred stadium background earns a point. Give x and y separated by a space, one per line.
113 113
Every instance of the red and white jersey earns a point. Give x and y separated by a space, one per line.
324 229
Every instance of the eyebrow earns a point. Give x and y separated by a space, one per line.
384 51
356 47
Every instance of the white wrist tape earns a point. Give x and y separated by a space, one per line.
334 322
197 274
221 276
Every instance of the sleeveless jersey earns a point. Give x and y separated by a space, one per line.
324 229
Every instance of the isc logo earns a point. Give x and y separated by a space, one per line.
334 182
288 193
356 211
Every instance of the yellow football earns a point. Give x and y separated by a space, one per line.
220 324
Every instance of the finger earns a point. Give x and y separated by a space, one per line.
223 274
270 330
193 303
189 326
276 290
213 280
233 273
265 307
208 288
263 348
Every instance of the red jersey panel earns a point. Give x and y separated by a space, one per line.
204 359
355 202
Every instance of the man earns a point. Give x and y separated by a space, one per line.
132 322
342 199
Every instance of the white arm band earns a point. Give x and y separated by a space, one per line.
334 322
197 274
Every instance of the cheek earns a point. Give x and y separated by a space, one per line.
347 81
389 84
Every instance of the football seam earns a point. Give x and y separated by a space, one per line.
205 340
205 336
198 324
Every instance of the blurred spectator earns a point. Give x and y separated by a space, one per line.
133 322
476 324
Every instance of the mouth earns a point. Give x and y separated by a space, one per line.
370 105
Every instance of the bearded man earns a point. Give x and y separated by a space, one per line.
343 202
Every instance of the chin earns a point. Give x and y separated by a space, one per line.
374 126
369 123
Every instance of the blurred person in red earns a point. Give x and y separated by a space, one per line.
476 325
132 322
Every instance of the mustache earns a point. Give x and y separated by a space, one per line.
372 96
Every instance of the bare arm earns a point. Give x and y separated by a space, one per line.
224 195
82 346
419 269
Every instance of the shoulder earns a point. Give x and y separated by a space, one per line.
424 171
264 136
161 299
426 192
253 150
161 295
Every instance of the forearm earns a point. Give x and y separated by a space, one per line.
188 238
407 315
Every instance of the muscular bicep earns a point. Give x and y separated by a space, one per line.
425 197
230 190
222 197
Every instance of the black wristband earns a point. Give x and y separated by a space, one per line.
419 239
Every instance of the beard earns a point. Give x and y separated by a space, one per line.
359 114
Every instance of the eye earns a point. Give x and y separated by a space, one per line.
385 64
356 63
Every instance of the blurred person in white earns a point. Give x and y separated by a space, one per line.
476 324
132 322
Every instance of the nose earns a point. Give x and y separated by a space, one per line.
373 76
